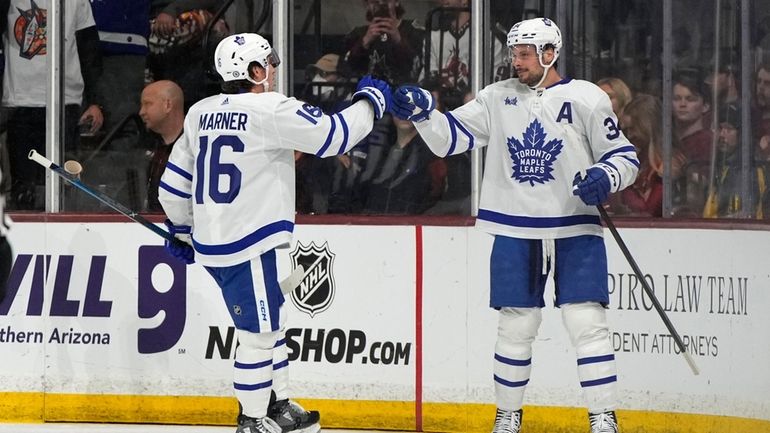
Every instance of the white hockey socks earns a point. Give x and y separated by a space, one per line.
253 371
589 333
517 329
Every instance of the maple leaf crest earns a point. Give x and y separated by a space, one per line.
533 157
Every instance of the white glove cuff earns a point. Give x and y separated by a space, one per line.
375 96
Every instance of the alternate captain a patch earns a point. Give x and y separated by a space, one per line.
534 155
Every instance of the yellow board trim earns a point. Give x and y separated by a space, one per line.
366 414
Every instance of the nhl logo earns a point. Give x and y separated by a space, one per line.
316 292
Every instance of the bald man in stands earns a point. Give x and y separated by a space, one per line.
163 113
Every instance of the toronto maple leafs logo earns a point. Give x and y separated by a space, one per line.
240 40
533 157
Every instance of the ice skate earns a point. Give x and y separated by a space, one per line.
604 422
507 421
247 424
293 418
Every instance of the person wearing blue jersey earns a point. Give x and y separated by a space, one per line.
228 189
554 153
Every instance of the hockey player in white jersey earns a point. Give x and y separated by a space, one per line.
228 188
542 131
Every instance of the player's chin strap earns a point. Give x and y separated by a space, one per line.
263 82
546 68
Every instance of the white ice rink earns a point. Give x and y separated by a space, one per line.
131 428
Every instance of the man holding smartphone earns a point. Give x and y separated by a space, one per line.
388 46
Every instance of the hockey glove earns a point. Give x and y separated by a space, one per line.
377 92
180 247
412 103
594 188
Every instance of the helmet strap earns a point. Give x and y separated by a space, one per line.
546 68
263 82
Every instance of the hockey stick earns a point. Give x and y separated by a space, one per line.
287 285
648 290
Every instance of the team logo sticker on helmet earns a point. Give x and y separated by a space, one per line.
316 292
533 157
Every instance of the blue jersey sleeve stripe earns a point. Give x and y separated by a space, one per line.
537 222
609 154
343 147
178 170
328 138
631 160
173 190
464 130
453 131
245 242
620 177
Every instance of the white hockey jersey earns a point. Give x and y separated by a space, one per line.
538 140
231 174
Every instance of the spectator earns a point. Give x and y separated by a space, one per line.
388 46
403 182
642 126
177 30
619 93
449 62
762 115
163 113
726 198
725 82
124 27
455 196
24 88
691 105
328 84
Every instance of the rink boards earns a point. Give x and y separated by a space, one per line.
389 329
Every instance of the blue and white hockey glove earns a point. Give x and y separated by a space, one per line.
377 92
412 103
595 187
180 247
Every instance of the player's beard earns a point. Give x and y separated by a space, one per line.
532 78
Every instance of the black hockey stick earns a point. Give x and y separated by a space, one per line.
648 290
287 285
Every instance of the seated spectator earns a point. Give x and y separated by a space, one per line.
725 197
402 183
455 195
388 46
328 84
642 127
24 89
619 93
163 113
